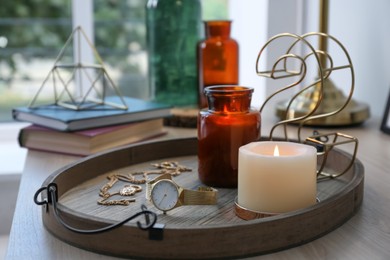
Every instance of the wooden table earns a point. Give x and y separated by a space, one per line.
365 236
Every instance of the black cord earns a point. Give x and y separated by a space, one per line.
53 198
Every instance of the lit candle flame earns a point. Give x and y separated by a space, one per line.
225 108
276 151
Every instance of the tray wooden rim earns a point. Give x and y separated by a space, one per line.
353 192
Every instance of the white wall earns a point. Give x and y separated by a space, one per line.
249 29
363 28
254 22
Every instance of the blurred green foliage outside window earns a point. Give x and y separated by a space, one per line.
32 33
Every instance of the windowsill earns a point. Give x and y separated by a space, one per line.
11 154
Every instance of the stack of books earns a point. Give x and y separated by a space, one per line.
89 131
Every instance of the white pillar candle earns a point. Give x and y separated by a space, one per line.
273 183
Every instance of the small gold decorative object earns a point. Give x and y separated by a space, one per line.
130 190
166 195
63 75
127 190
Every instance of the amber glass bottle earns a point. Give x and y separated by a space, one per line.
223 127
217 58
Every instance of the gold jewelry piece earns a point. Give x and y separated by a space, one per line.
103 190
130 177
122 202
130 190
171 168
127 190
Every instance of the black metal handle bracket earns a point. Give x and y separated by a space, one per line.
156 230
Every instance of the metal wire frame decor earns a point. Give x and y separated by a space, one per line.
281 69
93 95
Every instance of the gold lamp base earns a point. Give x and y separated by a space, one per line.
353 114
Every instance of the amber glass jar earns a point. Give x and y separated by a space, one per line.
217 58
228 123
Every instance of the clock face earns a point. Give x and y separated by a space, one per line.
164 195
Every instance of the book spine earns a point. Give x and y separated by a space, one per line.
20 138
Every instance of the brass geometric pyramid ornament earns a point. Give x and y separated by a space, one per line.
65 79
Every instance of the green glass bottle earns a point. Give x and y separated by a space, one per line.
174 28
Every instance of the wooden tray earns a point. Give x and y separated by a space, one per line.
191 232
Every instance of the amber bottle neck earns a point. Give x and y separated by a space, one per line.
218 29
229 99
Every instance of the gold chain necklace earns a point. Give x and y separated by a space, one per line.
173 168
